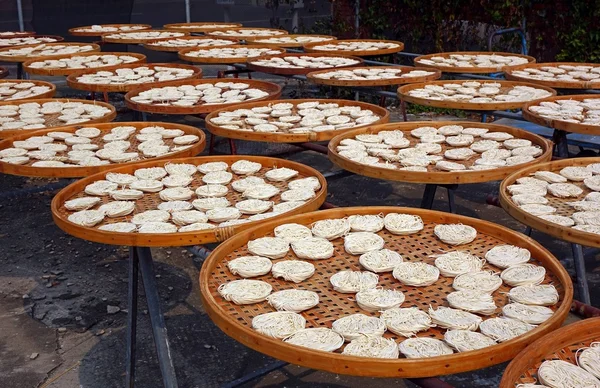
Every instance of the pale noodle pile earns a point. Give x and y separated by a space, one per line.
504 256
331 229
278 324
472 301
357 243
539 295
271 247
366 223
354 326
454 263
249 266
503 329
449 318
292 232
523 275
533 315
293 300
589 359
320 338
562 374
406 321
382 260
482 281
245 291
416 273
293 270
353 281
378 299
372 346
313 248
424 347
455 234
403 224
466 340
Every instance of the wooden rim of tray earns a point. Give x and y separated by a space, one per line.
18 34
312 77
234 320
296 71
290 45
310 48
472 69
561 344
180 238
435 176
25 58
243 37
560 124
403 95
273 89
4 72
16 132
74 84
562 232
106 39
50 93
290 137
156 45
558 84
141 58
75 172
213 60
200 26
57 38
73 31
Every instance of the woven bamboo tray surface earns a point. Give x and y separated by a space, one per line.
238 32
47 94
298 71
58 71
471 69
35 55
82 31
557 84
265 41
284 137
313 77
434 175
75 84
52 120
4 72
560 124
108 39
200 26
55 38
160 45
151 200
273 89
80 171
561 344
16 34
235 320
562 232
183 54
506 85
313 48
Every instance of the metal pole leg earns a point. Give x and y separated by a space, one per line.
132 299
582 285
256 374
157 320
528 231
451 190
559 138
428 196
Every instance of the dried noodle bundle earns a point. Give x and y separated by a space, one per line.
454 263
372 346
455 234
378 299
534 315
245 291
249 266
523 275
382 260
292 232
449 318
353 281
504 256
293 270
539 295
357 243
503 329
278 324
416 274
465 340
354 326
293 300
403 224
472 301
319 338
589 359
271 247
406 321
331 228
562 374
313 248
482 281
424 347
366 223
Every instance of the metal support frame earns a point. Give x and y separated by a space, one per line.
20 15
517 30
140 259
429 196
582 284
561 146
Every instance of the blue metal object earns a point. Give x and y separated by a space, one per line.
517 30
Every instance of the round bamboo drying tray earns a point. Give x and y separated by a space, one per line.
312 77
73 83
149 201
235 320
183 54
471 69
107 39
557 84
76 171
274 91
297 71
561 232
157 46
52 120
560 124
290 137
76 30
49 71
433 175
55 37
200 26
4 72
403 95
561 344
312 48
16 34
263 41
218 32
48 94
25 58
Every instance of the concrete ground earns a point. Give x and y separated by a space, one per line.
63 300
